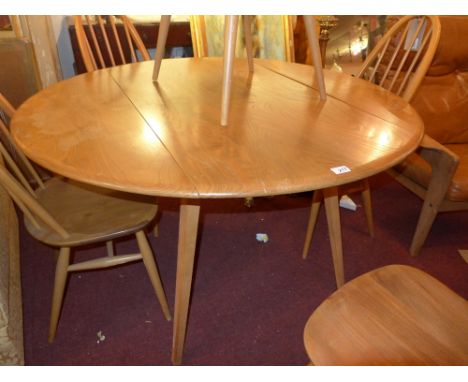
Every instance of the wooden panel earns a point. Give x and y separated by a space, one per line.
18 72
45 48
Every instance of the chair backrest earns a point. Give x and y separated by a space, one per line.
402 57
17 186
14 151
107 41
6 107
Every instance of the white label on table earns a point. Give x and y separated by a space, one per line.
340 169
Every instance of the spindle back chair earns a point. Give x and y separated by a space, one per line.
67 214
398 63
107 41
401 58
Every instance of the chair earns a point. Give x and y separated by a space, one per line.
438 171
107 41
230 38
395 315
398 63
66 214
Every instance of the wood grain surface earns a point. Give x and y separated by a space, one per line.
395 315
118 129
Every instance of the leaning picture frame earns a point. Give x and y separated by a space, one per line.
273 36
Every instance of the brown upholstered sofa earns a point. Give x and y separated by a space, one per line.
11 320
438 172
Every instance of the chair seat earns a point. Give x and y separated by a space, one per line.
100 215
395 315
417 169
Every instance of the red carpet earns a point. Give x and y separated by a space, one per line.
250 300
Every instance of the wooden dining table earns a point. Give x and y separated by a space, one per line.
115 128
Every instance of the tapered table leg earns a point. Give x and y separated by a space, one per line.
367 202
314 210
332 210
188 227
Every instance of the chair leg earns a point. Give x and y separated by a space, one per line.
427 216
230 36
310 25
152 270
156 225
332 210
110 248
366 200
248 40
61 273
443 169
161 45
156 230
314 210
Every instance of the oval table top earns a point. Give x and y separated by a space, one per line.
116 128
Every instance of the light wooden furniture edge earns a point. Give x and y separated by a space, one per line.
11 314
394 315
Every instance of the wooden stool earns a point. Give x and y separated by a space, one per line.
395 315
230 36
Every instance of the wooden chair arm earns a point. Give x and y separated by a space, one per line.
444 163
433 152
